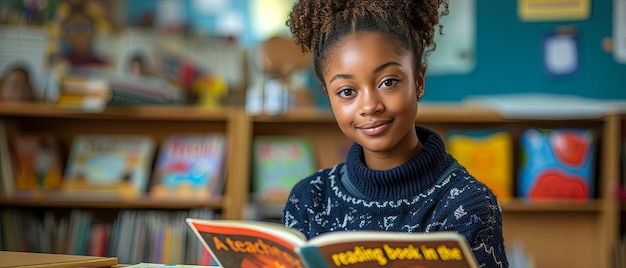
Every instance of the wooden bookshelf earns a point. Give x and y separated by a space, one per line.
557 234
156 121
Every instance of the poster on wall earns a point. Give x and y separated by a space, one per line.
560 52
553 10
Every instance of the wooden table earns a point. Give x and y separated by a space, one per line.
39 260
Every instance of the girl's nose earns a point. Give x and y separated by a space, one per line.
370 103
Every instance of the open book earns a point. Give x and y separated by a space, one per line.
263 244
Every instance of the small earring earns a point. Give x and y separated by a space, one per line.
420 96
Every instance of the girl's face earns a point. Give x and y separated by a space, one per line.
373 88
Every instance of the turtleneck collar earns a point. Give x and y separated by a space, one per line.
404 181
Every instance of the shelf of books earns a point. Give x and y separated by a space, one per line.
555 177
151 166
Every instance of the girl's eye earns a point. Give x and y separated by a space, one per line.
389 83
346 93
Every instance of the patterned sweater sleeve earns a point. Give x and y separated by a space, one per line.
476 214
296 212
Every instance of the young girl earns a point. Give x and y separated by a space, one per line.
368 56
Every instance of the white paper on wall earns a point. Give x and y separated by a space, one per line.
456 48
619 31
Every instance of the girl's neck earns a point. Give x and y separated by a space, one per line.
398 155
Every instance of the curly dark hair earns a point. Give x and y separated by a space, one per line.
317 25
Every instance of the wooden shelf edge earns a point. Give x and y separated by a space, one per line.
524 206
513 205
131 203
147 202
428 113
143 112
455 112
297 115
458 112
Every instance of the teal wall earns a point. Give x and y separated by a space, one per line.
509 57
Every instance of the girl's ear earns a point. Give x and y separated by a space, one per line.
420 80
325 90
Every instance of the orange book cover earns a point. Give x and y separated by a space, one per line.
263 244
38 162
487 155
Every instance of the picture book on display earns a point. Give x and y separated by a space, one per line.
557 164
116 166
190 166
279 162
37 162
264 244
487 155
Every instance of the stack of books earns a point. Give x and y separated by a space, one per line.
84 93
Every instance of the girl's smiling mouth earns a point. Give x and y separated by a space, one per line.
374 128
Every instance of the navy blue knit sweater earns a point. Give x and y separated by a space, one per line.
429 193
